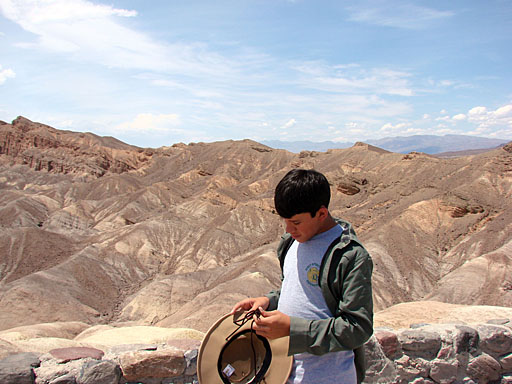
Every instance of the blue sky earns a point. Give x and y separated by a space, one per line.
154 73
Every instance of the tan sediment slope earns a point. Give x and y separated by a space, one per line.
66 330
99 232
105 337
42 338
433 312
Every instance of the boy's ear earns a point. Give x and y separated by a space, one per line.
323 213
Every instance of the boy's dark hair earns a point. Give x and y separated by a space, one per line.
301 191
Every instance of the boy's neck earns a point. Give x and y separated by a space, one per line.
327 224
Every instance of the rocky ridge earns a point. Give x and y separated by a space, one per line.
42 147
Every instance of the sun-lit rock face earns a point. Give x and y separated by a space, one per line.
96 231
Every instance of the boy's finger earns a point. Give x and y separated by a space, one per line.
262 312
236 309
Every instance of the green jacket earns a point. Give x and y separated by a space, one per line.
345 280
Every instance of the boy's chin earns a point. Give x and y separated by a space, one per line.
300 239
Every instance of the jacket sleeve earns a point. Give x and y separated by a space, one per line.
352 324
273 296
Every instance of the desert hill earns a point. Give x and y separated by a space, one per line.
97 231
42 147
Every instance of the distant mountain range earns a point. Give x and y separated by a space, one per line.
430 144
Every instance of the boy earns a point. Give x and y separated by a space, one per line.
325 301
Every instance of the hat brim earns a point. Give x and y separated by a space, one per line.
211 346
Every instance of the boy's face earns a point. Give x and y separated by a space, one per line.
303 227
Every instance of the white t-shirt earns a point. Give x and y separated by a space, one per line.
301 296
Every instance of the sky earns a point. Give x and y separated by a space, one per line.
154 73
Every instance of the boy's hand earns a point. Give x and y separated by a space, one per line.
251 304
272 324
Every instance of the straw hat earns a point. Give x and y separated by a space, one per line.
232 353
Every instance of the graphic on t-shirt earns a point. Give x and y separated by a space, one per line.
312 274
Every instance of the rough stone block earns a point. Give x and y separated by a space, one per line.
191 361
419 342
484 368
122 348
466 340
18 368
94 372
498 321
184 344
446 353
379 368
422 380
418 325
53 373
506 363
388 342
153 364
444 372
64 355
495 339
422 365
410 369
66 379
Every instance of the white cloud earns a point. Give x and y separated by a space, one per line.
354 79
30 12
290 123
398 15
351 125
435 85
148 122
446 83
6 74
504 112
487 122
355 129
418 127
399 128
91 32
477 111
192 89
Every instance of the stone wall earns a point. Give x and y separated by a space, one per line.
443 353
173 362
